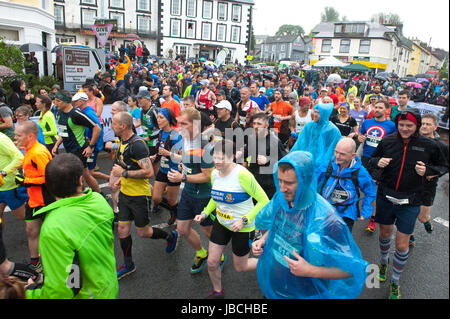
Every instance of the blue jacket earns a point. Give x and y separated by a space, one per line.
89 111
312 228
339 188
319 138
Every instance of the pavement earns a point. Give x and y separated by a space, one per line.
163 276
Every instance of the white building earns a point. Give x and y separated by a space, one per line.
201 28
379 47
29 21
74 18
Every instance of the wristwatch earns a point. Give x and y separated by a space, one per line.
245 220
3 173
92 146
125 173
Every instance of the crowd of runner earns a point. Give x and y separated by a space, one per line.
282 164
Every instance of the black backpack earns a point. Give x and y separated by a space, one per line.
353 178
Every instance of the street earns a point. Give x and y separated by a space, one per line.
162 276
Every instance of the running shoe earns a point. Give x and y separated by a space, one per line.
372 225
382 272
215 295
124 271
394 290
172 244
37 268
172 219
199 263
412 241
223 259
428 227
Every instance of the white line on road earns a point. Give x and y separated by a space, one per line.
441 221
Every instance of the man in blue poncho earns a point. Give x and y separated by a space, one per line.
308 251
319 137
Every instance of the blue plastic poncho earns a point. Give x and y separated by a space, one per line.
319 138
316 232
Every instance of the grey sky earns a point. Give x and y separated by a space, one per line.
421 19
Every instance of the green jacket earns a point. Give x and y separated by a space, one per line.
76 244
47 122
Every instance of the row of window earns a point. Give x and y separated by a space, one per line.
141 5
206 31
176 7
364 46
283 47
88 16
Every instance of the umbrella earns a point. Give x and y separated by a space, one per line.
415 84
330 62
32 47
334 78
381 77
424 75
132 36
423 80
356 67
202 60
5 71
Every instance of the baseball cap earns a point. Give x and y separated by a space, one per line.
304 101
80 96
324 89
262 90
224 105
154 89
221 92
250 105
204 82
143 93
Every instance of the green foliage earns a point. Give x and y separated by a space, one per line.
443 72
45 82
330 14
290 29
11 57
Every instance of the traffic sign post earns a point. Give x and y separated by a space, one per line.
102 32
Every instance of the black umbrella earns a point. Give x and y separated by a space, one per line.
268 76
424 75
381 77
32 47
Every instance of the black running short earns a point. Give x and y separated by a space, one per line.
240 241
134 208
162 177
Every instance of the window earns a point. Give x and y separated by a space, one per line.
361 28
274 47
221 32
175 28
181 50
283 48
116 4
235 34
143 24
191 8
143 5
338 28
91 2
88 17
206 31
345 46
175 7
59 15
120 17
222 11
364 46
191 28
236 13
326 45
207 9
61 38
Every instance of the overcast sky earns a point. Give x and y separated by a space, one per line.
421 18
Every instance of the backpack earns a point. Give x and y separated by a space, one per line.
353 178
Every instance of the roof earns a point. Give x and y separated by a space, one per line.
250 2
373 29
282 39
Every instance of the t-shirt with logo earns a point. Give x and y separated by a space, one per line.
376 131
71 127
197 155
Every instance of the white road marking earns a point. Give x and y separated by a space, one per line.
441 221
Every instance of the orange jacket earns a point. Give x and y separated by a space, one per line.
35 160
281 108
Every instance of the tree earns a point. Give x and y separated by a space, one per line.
329 14
443 72
289 29
12 57
387 18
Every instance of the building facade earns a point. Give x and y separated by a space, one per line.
379 47
74 18
202 28
29 21
290 48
